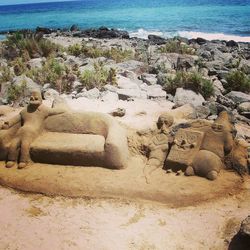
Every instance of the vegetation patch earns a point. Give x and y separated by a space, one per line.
189 80
98 77
176 46
238 81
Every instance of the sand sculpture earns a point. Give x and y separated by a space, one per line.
57 136
31 124
159 145
202 149
217 148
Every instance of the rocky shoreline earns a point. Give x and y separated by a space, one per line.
108 65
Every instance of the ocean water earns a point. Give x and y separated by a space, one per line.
222 19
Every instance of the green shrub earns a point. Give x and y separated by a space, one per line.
98 77
117 54
75 49
176 46
189 80
6 74
14 92
238 81
31 44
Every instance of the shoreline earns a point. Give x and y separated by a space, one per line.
139 34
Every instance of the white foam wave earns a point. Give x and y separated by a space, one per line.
142 33
213 36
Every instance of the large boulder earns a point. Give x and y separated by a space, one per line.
163 62
126 83
50 94
26 84
185 96
36 63
132 65
238 97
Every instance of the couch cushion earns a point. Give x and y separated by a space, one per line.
68 149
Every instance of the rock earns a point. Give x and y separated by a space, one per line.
150 79
218 87
156 92
202 112
25 83
222 74
120 112
245 228
110 88
74 61
156 40
127 94
224 100
109 96
50 94
126 83
205 54
129 74
185 62
36 63
163 62
200 40
103 32
244 107
186 111
92 93
232 43
185 96
132 65
44 30
74 27
238 97
245 66
46 86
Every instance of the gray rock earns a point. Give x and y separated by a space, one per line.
126 94
132 65
156 92
163 62
238 97
202 112
150 79
50 94
92 94
74 60
126 83
110 88
244 107
224 100
27 84
186 62
36 63
109 96
245 228
218 87
46 86
245 66
185 96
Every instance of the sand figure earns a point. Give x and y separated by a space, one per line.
31 118
159 145
217 143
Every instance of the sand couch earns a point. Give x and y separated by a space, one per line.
73 138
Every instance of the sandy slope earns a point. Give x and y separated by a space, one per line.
37 222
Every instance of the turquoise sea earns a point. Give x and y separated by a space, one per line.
189 18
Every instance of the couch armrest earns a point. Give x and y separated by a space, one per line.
116 147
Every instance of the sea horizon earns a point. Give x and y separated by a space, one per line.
216 19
